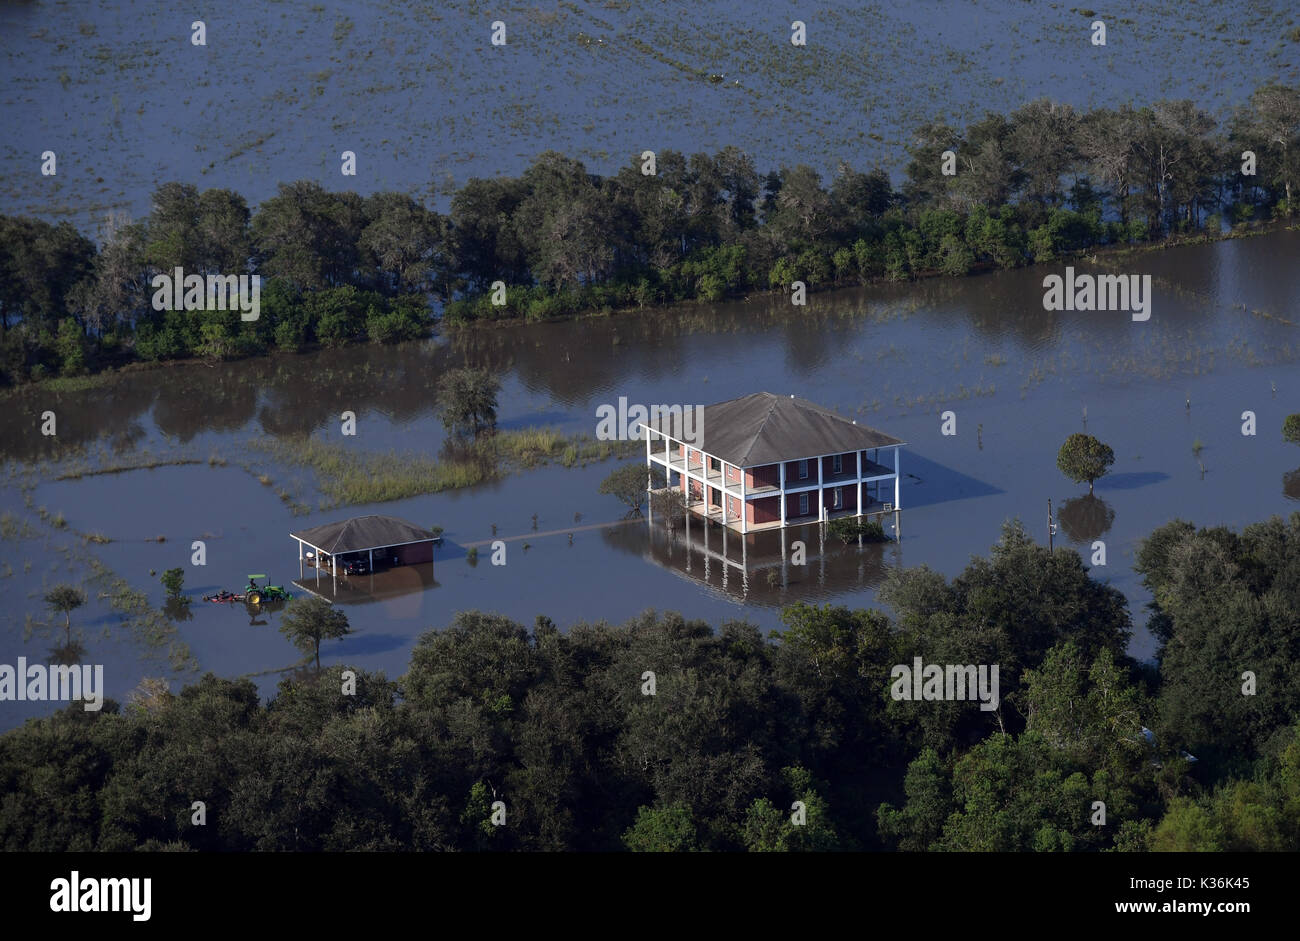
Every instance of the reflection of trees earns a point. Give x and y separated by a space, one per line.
127 439
1291 484
201 400
67 654
83 417
1085 518
178 609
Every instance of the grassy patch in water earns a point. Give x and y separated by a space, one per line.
77 473
348 477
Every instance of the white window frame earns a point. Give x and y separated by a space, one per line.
838 499
837 464
803 503
803 469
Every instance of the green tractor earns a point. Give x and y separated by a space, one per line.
256 594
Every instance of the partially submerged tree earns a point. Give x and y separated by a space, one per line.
1083 457
64 599
668 505
308 621
1275 119
628 483
467 400
173 580
1291 428
846 528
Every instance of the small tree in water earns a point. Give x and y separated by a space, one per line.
669 507
308 621
173 580
1083 457
64 599
467 400
1291 428
628 483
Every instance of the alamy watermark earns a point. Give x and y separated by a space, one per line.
40 683
76 894
181 291
1099 292
623 422
953 682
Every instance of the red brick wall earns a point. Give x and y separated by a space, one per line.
848 464
848 497
792 505
769 475
848 467
765 510
414 554
792 473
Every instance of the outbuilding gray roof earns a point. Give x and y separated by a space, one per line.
764 428
362 532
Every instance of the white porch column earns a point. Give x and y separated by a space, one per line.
744 505
689 548
858 458
372 561
821 496
896 479
668 474
647 457
783 505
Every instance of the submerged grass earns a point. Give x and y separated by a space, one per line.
146 624
77 473
13 528
350 477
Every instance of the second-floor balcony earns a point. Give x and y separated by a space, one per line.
768 484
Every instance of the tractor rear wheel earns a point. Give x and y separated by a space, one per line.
253 597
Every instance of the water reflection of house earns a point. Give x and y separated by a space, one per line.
773 567
384 585
766 461
376 556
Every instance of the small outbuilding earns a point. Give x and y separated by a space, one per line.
362 542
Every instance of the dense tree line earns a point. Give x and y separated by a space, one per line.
562 730
1043 181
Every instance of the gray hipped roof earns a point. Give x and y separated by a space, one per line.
362 532
763 428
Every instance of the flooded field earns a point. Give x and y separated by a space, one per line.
1167 395
417 91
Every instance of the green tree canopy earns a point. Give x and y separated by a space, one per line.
668 829
64 599
174 581
628 483
1083 457
308 621
467 400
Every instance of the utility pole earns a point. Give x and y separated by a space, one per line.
1051 528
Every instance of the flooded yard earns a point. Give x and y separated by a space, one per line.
1167 395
